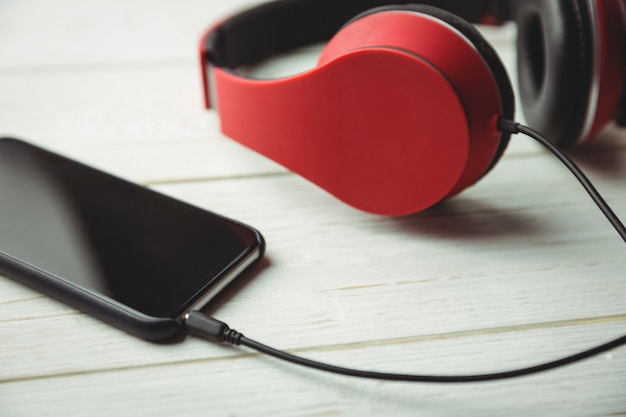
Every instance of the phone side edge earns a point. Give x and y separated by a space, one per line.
154 329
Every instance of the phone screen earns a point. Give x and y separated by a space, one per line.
152 253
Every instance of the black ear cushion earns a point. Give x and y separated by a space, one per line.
482 46
555 63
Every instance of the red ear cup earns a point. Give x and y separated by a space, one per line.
455 49
400 113
571 65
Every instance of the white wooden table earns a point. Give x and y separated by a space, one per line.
518 270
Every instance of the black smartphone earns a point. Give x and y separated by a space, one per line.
121 252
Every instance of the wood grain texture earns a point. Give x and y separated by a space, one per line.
519 269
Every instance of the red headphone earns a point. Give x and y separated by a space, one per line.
401 111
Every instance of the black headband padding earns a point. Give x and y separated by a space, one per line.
280 26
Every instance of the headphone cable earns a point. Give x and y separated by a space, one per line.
202 325
513 127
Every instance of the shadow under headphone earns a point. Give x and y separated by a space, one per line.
402 109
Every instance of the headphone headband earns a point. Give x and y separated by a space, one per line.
282 25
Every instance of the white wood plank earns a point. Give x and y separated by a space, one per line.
251 385
108 120
77 34
148 127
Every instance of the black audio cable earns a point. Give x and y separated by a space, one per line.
216 331
513 127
